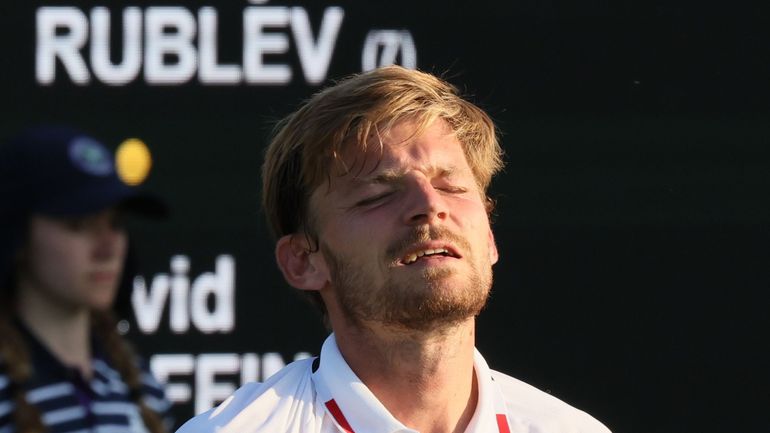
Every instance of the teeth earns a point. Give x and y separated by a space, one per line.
411 258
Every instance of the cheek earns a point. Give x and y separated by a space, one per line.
121 247
471 217
58 263
360 229
357 243
470 214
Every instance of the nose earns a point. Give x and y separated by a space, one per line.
424 204
109 239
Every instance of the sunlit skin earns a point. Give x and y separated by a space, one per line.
68 267
405 327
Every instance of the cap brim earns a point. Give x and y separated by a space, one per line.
98 197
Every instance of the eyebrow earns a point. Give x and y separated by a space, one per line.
390 176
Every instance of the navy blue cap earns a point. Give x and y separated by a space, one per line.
59 171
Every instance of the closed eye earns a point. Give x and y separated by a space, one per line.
453 189
372 200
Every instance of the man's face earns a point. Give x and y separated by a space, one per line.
405 239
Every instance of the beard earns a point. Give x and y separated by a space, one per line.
438 297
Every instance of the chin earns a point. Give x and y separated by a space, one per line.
432 306
102 301
100 304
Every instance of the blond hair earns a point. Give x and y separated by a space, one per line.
308 143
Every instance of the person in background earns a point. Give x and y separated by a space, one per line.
376 189
63 365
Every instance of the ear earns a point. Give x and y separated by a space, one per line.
302 269
493 256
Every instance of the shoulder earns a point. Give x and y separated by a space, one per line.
284 402
530 407
154 393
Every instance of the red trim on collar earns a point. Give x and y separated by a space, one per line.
334 410
338 416
502 423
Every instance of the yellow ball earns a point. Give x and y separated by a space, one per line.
133 161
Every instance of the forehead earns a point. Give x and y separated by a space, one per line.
401 148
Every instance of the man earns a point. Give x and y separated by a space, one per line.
376 190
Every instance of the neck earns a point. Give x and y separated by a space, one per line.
64 331
426 380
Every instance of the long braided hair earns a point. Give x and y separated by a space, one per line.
14 359
122 357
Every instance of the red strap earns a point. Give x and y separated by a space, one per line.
338 416
502 423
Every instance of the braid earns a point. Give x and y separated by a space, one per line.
122 357
14 356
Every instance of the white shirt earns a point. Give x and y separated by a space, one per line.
323 395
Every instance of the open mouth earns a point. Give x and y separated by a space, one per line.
418 254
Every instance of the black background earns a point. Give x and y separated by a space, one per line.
632 217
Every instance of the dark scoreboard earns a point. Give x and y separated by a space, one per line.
632 218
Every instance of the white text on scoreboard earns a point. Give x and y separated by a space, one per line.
204 377
172 45
188 300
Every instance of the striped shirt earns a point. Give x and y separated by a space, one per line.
69 403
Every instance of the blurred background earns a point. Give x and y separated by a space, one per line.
632 220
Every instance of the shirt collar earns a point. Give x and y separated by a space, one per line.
490 405
47 368
353 406
338 386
